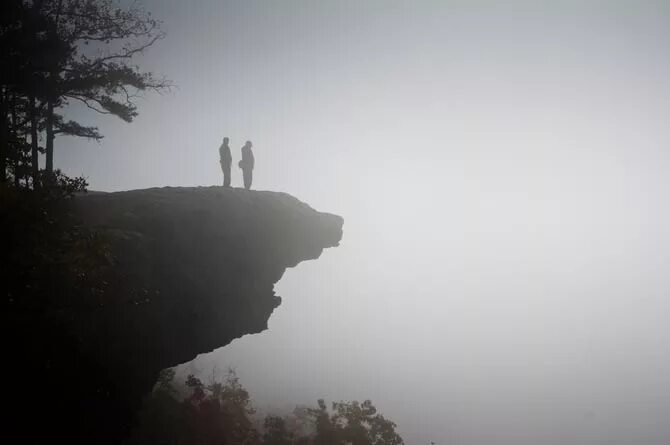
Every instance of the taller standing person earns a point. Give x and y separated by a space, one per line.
226 160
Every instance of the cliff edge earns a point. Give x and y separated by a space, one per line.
186 271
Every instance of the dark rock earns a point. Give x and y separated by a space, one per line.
192 269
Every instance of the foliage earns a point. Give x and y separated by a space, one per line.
276 432
51 268
210 414
67 186
222 413
46 254
58 52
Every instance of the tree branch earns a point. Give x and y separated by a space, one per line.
86 102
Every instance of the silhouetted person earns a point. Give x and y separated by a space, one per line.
226 160
247 164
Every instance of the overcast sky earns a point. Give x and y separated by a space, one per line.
503 172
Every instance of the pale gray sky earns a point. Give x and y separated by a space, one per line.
502 168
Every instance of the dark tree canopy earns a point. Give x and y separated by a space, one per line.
56 53
222 413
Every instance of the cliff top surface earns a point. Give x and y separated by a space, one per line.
235 224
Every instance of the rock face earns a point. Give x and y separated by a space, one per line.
192 269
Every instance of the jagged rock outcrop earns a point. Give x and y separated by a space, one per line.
191 269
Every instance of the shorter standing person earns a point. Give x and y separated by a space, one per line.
247 164
226 160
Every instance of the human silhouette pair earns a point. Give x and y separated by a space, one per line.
246 163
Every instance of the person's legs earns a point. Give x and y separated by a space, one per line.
223 170
248 176
226 175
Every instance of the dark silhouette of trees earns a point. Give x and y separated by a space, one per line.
59 52
222 413
218 413
276 432
353 423
20 45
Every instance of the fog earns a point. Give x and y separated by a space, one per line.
502 169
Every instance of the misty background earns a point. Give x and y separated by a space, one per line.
502 169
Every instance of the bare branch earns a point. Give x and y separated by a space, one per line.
129 53
86 102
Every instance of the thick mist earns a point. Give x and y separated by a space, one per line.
502 169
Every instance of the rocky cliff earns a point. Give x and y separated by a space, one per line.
187 270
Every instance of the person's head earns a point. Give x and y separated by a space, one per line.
225 140
247 144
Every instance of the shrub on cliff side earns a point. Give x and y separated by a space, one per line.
222 413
